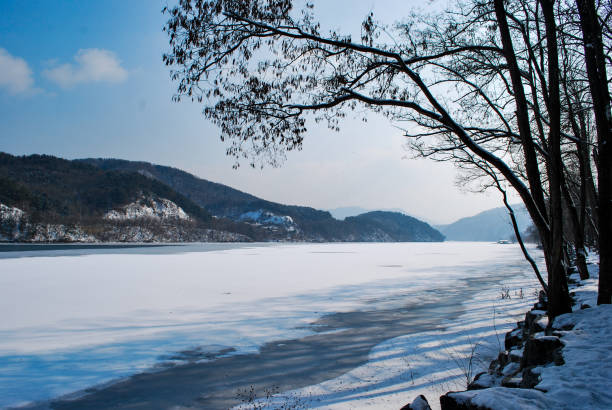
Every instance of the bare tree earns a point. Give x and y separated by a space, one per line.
261 68
598 84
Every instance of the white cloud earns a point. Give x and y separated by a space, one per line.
92 65
15 74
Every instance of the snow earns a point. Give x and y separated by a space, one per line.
429 363
265 217
584 380
104 316
158 208
504 398
8 213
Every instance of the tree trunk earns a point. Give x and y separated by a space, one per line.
558 299
598 84
577 233
531 161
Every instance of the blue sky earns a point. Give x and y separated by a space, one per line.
86 79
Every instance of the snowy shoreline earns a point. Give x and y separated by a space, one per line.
562 365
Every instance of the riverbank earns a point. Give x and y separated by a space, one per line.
563 364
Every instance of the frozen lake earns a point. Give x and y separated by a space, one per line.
73 318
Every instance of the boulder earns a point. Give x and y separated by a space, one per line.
458 401
512 382
513 338
482 381
530 379
419 403
540 350
533 324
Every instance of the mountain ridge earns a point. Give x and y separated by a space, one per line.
490 225
120 200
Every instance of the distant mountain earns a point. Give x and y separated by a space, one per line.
344 212
287 222
44 198
491 225
397 226
57 189
49 199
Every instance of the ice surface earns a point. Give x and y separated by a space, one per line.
433 363
70 322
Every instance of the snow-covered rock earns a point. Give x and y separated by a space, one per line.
8 213
60 233
11 222
15 226
262 217
147 207
420 403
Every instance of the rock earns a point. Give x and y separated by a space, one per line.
530 379
458 401
585 306
513 338
532 321
494 366
512 382
510 369
541 350
419 403
539 306
516 355
502 359
543 300
482 381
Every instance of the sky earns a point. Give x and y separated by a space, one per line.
86 79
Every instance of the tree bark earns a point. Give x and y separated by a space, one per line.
558 299
531 161
551 234
577 233
598 84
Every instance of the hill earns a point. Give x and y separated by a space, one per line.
58 190
491 225
295 222
44 198
398 227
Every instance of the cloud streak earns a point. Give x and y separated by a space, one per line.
15 74
91 65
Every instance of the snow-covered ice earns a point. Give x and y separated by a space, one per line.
70 322
428 363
